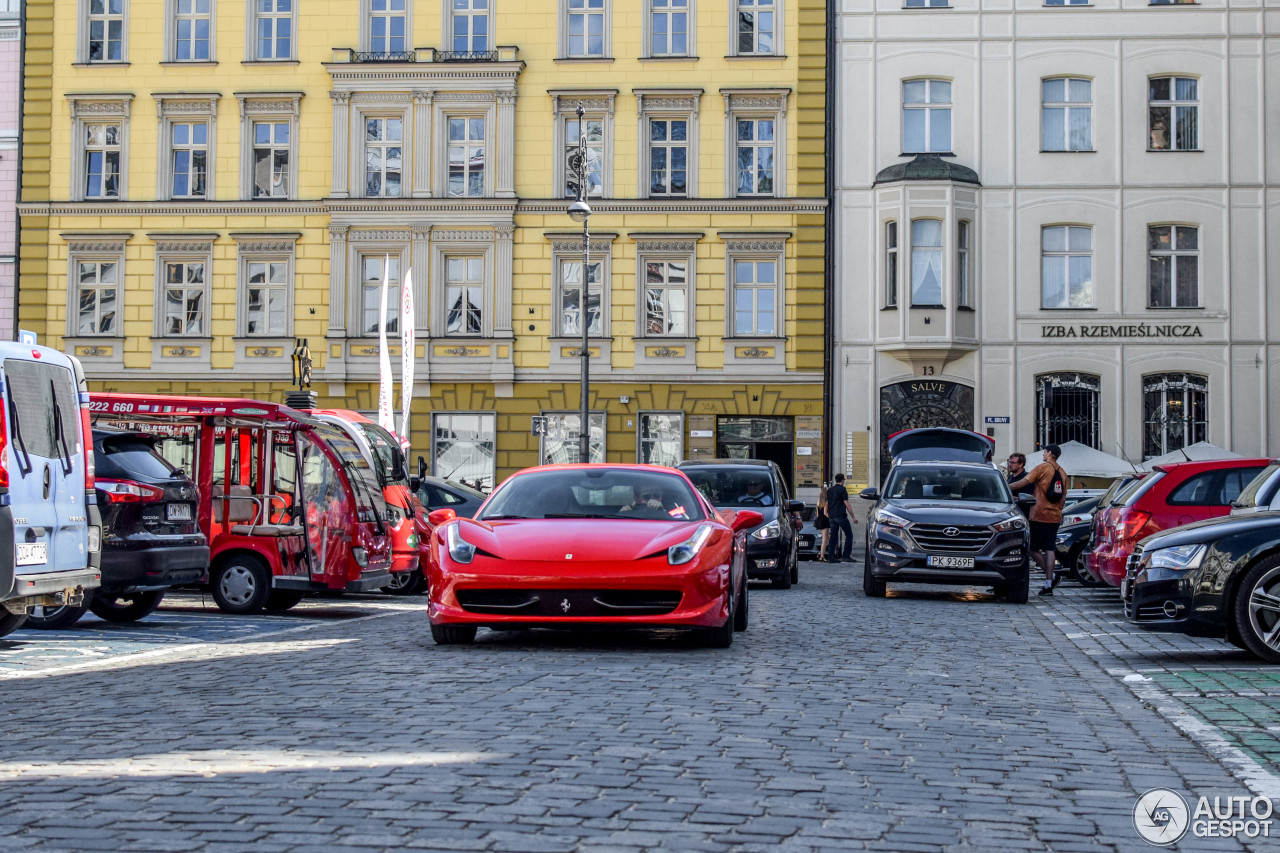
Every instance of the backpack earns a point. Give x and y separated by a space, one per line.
1056 491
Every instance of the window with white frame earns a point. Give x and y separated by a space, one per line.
755 146
99 133
388 26
669 27
469 25
586 28
661 438
464 294
926 116
192 30
560 441
373 268
97 291
466 156
595 138
106 31
666 298
463 447
1173 280
189 158
1066 114
964 272
755 297
102 159
265 289
271 149
570 298
1173 114
598 110
756 26
384 156
891 264
268 144
926 263
273 26
668 157
1066 266
185 298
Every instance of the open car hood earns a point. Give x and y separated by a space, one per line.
938 444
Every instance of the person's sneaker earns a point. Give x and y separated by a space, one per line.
1047 590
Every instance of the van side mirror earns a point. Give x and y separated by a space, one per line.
422 467
869 494
415 483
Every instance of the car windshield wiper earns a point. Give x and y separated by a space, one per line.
581 515
59 433
24 460
502 517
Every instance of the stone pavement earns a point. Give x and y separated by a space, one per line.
934 720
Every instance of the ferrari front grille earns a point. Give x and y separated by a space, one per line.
569 603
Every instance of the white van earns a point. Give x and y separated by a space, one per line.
50 532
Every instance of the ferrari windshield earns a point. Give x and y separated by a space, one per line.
597 492
947 483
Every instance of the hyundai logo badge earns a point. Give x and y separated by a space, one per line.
952 531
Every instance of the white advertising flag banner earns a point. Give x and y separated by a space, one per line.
406 356
385 419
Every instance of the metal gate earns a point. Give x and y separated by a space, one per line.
1067 409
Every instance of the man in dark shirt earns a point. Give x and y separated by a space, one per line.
841 515
1018 470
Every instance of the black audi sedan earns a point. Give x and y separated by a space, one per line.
949 519
755 484
1216 578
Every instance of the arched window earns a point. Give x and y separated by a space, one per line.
1067 409
1174 412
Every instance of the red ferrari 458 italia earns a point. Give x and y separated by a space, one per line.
613 546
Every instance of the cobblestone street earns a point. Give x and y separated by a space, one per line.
934 720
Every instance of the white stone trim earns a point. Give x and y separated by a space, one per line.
667 247
779 36
464 243
385 105
459 105
251 34
646 36
89 109
666 104
185 106
274 107
182 247
263 247
94 247
756 104
169 49
370 242
82 36
446 26
562 33
599 104
365 34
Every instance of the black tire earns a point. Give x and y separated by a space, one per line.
721 637
55 618
783 580
872 587
10 622
240 584
1078 569
795 566
1020 590
1256 610
453 635
742 615
125 608
284 599
406 583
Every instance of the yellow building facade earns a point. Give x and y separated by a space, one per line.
205 186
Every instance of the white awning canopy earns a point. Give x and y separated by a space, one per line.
1080 460
1198 452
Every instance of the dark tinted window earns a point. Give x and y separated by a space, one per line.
1234 482
1197 491
921 482
128 457
731 486
1254 493
31 388
441 497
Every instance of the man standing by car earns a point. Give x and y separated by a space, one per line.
1050 483
841 514
1017 470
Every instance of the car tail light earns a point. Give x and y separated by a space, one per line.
1132 523
130 492
4 456
86 440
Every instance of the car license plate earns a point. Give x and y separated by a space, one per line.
806 541
32 553
951 562
177 512
1124 589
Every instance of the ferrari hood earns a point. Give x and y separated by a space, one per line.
587 539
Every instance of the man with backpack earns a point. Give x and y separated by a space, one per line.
1050 483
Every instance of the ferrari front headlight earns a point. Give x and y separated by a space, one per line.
460 550
678 555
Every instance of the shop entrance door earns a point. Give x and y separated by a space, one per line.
759 438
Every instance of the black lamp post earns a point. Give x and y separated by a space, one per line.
580 211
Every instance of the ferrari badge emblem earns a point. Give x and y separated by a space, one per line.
568 556
564 605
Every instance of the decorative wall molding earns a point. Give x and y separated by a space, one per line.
667 100
379 236
455 236
100 104
771 100
568 247
381 98
770 246
566 101
464 97
107 243
268 103
169 245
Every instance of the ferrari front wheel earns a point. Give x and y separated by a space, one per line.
453 635
722 637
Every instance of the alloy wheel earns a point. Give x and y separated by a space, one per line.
1264 608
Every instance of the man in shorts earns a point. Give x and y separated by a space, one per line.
1046 515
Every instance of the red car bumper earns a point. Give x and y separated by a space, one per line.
1112 562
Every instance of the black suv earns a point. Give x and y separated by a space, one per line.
945 515
755 484
151 539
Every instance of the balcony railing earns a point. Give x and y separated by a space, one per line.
422 54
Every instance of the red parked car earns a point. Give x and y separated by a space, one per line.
1171 496
617 546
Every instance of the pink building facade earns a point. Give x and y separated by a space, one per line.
10 110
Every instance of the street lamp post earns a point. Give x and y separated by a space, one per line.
580 211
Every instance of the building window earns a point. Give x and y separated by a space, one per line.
1172 2
668 157
273 26
926 116
666 298
1067 2
1066 266
102 154
1067 409
97 290
470 25
1175 412
464 295
755 147
1174 268
271 159
185 302
192 27
964 281
891 264
388 23
926 263
106 31
669 23
189 158
267 297
595 155
587 29
384 152
466 156
462 447
571 298
372 270
755 298
756 26
560 441
1174 114
926 4
1066 114
661 437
